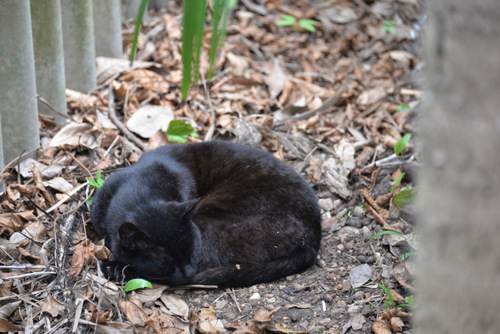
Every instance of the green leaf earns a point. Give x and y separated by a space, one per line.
137 283
397 182
400 146
308 25
391 303
98 182
388 26
193 23
137 28
404 196
178 132
403 107
286 20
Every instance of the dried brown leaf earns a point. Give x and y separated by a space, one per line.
82 254
134 312
52 306
7 326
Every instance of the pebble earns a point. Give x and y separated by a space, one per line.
359 295
326 204
354 309
255 296
367 234
325 321
271 300
341 303
321 263
340 247
220 304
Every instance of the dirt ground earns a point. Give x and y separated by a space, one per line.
332 103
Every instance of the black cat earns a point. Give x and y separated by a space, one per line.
208 213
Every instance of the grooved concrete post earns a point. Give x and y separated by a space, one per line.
108 28
79 46
18 105
49 57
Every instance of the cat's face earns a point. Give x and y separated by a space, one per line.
161 242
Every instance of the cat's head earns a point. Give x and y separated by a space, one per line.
160 242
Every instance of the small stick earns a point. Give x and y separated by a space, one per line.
120 125
233 296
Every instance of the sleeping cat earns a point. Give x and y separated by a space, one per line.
211 213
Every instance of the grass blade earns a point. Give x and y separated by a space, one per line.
138 21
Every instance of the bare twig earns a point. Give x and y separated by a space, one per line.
48 105
112 115
211 129
328 103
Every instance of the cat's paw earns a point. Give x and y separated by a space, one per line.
113 270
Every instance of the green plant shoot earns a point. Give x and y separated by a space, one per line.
388 26
286 20
178 132
308 25
403 107
397 182
400 146
97 183
289 20
137 283
404 196
137 28
391 303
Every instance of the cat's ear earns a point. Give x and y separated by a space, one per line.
184 210
130 234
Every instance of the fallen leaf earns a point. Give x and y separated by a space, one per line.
7 326
146 121
175 306
52 306
134 312
360 275
261 315
74 135
82 254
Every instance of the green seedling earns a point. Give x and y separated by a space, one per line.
137 28
389 304
401 144
388 26
403 107
178 132
408 304
137 283
97 183
397 182
404 196
289 20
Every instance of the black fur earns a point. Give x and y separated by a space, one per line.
208 213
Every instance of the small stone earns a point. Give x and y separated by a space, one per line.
354 309
321 263
340 247
326 204
255 296
336 204
325 321
341 303
271 300
220 304
359 295
366 233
